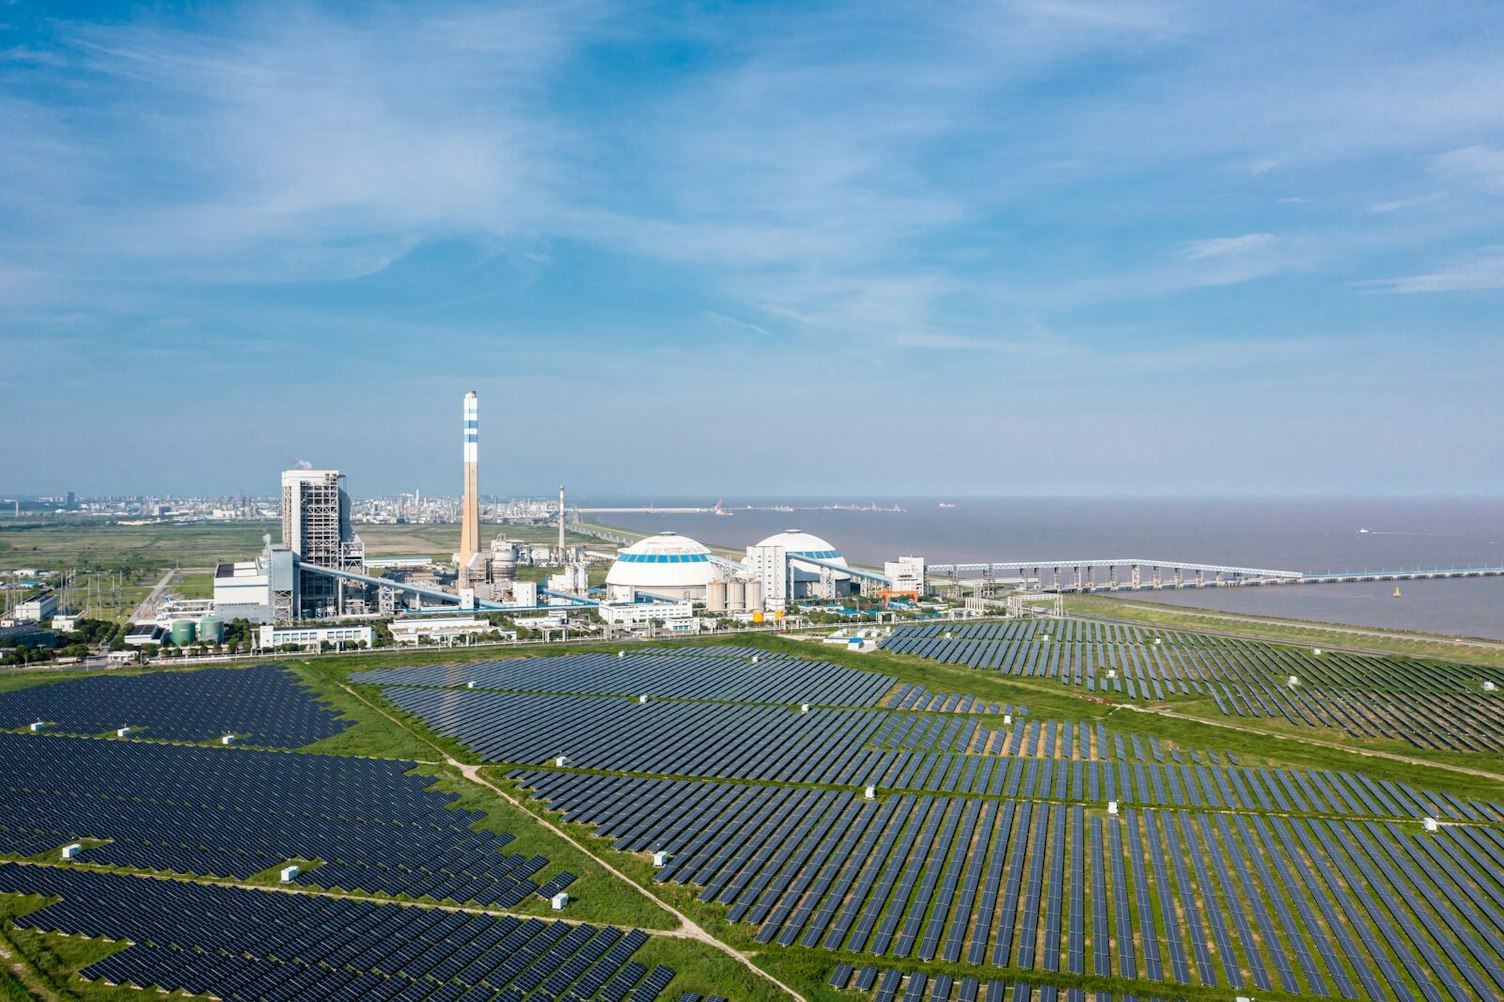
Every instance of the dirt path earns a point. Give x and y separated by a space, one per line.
32 980
688 928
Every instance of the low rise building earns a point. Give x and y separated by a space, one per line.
142 634
675 616
306 637
443 629
906 575
35 610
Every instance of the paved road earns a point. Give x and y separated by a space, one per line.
149 603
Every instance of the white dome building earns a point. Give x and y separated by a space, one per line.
773 561
667 565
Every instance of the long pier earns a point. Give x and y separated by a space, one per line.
1141 574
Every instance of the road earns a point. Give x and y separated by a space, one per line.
149 603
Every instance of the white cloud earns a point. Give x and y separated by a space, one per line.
1485 270
1478 165
1220 247
1384 208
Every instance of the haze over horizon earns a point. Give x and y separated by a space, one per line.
1022 247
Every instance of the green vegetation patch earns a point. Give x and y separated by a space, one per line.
595 896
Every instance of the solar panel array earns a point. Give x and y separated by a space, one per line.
688 738
991 845
892 750
233 813
687 674
264 706
1429 704
253 945
1192 897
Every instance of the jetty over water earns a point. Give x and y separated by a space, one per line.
1141 574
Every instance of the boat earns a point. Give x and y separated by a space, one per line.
1364 532
1396 591
946 504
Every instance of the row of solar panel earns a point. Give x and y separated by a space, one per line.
919 698
231 813
1033 738
1005 883
264 706
251 945
689 674
917 986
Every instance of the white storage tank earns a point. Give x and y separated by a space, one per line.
717 594
736 595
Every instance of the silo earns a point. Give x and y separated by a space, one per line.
736 595
754 594
503 562
183 632
715 596
211 630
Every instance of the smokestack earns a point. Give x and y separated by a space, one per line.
561 524
470 513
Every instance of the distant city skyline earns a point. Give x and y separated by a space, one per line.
1033 247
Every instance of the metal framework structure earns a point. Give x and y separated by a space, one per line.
434 594
1082 575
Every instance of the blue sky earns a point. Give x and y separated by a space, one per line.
1017 247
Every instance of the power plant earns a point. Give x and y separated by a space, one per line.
319 571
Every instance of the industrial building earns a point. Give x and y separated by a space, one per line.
316 527
443 629
906 576
264 590
273 637
667 565
34 610
675 617
786 567
794 564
